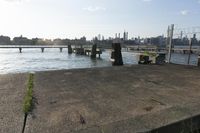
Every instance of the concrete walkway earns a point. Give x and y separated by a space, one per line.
12 90
102 100
114 100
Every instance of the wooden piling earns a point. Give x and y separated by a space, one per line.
61 49
94 51
42 49
20 50
69 49
116 54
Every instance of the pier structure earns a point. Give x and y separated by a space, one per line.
89 51
21 47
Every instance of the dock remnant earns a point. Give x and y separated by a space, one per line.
69 49
116 54
79 51
94 51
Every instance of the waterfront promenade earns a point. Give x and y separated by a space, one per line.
125 99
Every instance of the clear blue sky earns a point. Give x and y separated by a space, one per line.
76 18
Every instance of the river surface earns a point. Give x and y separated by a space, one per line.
32 60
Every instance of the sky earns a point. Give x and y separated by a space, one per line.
76 18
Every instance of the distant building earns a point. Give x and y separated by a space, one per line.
116 35
184 41
194 40
83 38
99 37
5 40
58 41
21 41
35 41
103 38
125 37
159 41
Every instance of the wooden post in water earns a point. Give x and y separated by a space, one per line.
117 55
42 49
94 51
61 49
170 32
190 51
20 50
69 49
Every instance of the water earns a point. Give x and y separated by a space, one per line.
183 59
31 60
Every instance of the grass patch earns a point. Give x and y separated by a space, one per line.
28 99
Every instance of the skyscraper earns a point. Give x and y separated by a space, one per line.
125 37
115 35
99 37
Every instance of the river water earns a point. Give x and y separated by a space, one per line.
32 60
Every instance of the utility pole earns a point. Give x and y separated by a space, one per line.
171 32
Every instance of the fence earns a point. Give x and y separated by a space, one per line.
183 40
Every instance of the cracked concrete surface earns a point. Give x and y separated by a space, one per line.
124 99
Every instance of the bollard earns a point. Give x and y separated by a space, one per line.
94 51
198 61
116 54
69 49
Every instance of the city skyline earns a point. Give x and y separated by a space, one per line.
69 19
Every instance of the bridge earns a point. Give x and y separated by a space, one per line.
137 48
42 47
85 50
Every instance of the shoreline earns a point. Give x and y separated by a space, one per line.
96 67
